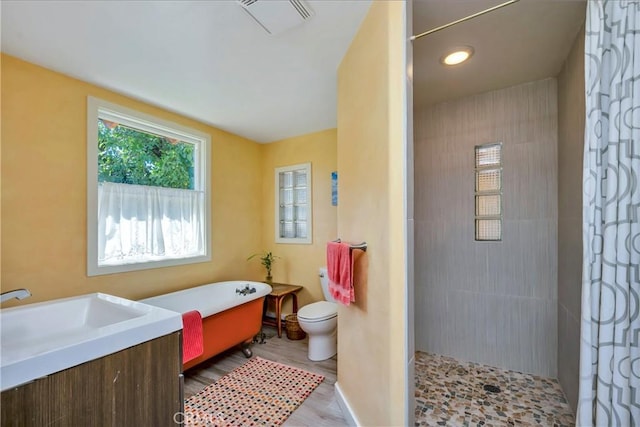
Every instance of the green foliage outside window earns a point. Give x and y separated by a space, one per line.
129 156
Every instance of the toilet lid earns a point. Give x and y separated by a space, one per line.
321 310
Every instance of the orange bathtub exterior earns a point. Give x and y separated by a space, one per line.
226 329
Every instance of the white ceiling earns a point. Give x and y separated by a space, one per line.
210 61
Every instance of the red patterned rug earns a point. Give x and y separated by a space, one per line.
258 393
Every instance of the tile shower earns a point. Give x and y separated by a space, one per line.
492 303
489 302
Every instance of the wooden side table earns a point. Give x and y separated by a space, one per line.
279 292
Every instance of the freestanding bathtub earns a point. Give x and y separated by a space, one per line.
231 313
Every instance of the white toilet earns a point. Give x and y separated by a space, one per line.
320 321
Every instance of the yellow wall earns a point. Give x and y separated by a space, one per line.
371 334
299 263
44 193
0 175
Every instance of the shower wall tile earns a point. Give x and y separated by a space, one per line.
540 260
548 330
544 111
571 105
500 331
432 309
462 321
529 178
489 302
421 160
570 264
459 250
450 194
428 253
571 140
523 264
568 353
506 261
526 342
530 112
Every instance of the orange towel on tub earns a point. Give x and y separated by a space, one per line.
340 271
192 337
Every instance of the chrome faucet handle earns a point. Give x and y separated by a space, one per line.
15 293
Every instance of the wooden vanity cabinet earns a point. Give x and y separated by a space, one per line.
138 386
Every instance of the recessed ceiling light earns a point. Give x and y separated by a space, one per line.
459 55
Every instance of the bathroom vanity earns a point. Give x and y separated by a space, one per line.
138 386
91 360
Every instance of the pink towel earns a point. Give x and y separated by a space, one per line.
192 338
340 271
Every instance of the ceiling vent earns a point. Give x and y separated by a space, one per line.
277 16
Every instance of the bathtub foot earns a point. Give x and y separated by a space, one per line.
246 350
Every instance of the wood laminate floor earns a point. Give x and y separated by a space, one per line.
319 409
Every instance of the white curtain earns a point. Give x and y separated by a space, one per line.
610 332
138 223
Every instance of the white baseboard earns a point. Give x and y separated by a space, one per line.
347 411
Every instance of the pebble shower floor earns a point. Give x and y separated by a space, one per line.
451 393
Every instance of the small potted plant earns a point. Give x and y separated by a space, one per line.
267 259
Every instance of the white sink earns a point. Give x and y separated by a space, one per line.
44 338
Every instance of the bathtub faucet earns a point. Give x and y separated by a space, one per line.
16 293
246 290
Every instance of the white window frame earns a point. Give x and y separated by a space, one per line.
98 108
297 240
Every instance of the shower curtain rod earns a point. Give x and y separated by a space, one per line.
466 18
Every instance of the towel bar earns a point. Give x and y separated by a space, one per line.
362 246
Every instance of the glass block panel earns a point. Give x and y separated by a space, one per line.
286 229
488 180
294 198
301 229
286 196
300 178
488 205
488 229
301 195
488 155
287 179
286 213
301 213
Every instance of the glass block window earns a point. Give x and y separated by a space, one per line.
293 204
488 192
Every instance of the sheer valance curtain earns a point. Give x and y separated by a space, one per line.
140 223
610 334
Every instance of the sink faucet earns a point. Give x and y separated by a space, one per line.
16 293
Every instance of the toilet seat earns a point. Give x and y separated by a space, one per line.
318 311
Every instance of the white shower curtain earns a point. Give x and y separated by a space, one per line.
610 335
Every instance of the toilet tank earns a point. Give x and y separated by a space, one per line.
324 281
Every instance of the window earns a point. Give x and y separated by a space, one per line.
148 195
488 192
293 204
